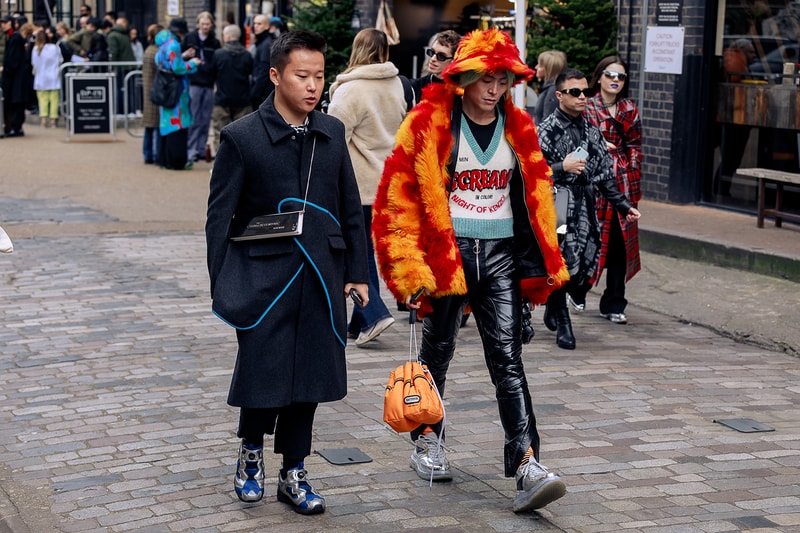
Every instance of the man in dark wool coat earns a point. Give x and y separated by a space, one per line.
286 295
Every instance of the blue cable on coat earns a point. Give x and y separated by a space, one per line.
296 274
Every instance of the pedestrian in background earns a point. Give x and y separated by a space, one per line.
231 68
150 113
549 65
136 44
200 43
618 119
438 56
175 122
63 32
286 295
120 49
368 97
432 231
577 153
45 60
15 78
262 84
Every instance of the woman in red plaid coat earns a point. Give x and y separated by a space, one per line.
618 119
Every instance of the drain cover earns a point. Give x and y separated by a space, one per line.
745 425
344 456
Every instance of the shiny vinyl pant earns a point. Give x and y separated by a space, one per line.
494 296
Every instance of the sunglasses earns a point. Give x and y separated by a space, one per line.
438 55
613 75
577 92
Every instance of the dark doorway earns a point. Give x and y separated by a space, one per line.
140 13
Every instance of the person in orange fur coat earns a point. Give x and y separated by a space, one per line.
465 210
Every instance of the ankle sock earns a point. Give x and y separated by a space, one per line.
527 457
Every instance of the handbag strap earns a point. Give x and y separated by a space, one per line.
310 166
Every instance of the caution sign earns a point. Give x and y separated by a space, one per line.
91 102
664 50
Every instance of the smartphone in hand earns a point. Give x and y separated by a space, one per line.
356 298
581 153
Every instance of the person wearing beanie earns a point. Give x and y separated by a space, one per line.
464 211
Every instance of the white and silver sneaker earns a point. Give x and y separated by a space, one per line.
536 487
428 456
616 318
575 305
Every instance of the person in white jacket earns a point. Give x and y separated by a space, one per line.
368 97
46 59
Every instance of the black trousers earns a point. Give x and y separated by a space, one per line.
14 117
493 294
172 152
291 426
613 298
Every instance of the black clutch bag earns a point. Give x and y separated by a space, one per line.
271 226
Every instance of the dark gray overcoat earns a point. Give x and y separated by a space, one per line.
285 295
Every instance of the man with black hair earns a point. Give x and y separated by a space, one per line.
464 211
286 295
576 151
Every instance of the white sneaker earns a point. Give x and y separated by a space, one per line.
576 306
616 318
429 457
536 487
379 327
6 246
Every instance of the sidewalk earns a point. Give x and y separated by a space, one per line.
114 376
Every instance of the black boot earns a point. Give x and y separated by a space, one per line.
549 318
564 337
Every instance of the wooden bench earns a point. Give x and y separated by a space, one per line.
778 177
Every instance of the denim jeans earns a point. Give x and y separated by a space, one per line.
201 102
364 318
150 144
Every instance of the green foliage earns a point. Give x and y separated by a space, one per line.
586 30
332 20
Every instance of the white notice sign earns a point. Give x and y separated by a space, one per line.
664 50
173 8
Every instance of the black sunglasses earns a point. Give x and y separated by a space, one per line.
439 55
614 75
577 92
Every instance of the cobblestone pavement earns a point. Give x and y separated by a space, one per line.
114 376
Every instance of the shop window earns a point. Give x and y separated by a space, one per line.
757 119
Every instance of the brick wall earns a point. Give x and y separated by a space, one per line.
189 11
656 108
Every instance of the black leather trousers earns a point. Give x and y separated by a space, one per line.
494 296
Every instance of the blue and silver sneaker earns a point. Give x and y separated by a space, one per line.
295 490
249 479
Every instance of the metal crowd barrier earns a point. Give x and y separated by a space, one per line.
130 92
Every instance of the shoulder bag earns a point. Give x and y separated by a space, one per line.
167 88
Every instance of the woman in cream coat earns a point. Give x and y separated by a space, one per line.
369 99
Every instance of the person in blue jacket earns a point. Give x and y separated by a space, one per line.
174 122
